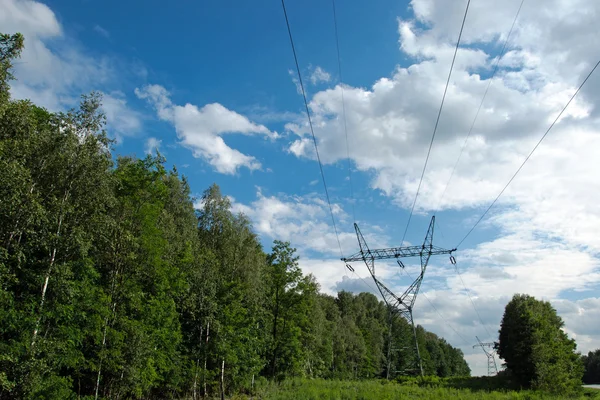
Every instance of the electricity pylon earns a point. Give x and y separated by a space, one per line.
399 305
492 369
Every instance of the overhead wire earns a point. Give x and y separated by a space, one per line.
437 311
529 155
490 79
337 43
314 137
312 132
471 299
337 46
374 291
437 120
467 291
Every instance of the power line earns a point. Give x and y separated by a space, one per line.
462 149
444 319
311 126
437 120
529 155
471 299
465 287
367 283
337 45
437 311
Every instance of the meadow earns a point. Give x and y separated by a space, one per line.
309 389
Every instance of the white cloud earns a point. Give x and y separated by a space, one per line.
122 119
152 145
100 30
546 223
55 76
392 122
305 222
296 82
201 129
319 75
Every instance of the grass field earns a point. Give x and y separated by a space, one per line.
304 389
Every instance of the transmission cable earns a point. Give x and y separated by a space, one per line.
467 291
437 121
471 299
337 45
312 132
436 309
375 291
462 149
529 155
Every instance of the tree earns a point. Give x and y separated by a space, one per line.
113 286
284 277
535 349
10 48
591 363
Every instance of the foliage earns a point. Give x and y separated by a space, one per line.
10 48
536 350
591 363
113 286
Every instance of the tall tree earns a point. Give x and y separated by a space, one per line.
284 294
591 363
113 286
535 348
10 48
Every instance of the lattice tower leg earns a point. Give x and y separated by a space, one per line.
418 360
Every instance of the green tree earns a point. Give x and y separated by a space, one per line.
535 348
10 48
113 286
591 363
284 295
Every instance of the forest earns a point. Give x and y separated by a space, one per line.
113 285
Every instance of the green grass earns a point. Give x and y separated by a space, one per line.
317 389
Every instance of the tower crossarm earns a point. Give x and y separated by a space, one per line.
403 305
396 252
488 344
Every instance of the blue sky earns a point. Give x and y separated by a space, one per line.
212 85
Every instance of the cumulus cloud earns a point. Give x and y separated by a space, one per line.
550 209
152 145
122 119
544 226
54 77
319 75
305 222
201 129
397 113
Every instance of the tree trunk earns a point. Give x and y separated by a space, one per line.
49 271
205 357
275 344
195 386
106 323
222 383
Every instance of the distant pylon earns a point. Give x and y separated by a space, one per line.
492 369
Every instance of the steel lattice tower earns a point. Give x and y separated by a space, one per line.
491 359
399 305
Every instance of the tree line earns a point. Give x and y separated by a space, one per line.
113 286
591 364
